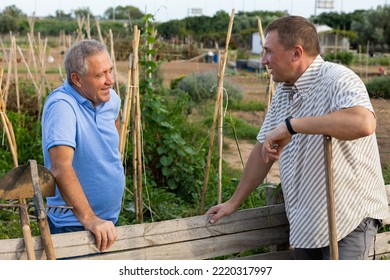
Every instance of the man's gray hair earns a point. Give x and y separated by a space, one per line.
75 57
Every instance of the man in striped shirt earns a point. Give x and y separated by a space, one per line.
316 98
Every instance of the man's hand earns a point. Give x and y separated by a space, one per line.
275 141
104 231
220 211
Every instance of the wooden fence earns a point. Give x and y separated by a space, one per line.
240 235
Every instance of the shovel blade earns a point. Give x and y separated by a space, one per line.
17 183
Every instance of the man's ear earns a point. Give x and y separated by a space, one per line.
298 52
75 79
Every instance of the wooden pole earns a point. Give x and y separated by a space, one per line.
16 76
223 60
8 81
220 143
333 246
271 85
114 62
132 107
80 23
99 30
127 105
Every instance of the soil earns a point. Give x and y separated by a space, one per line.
254 88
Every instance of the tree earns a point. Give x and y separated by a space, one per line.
13 12
7 24
60 14
123 13
82 12
374 28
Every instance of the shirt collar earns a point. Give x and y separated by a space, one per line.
306 79
79 98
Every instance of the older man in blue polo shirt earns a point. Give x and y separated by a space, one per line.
80 143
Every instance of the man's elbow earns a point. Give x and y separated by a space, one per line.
367 126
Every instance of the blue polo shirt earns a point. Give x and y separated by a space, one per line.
70 120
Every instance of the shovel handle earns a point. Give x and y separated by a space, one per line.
333 246
41 213
27 236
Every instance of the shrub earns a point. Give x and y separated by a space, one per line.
344 57
379 87
203 86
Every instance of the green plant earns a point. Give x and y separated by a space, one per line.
379 87
344 57
203 86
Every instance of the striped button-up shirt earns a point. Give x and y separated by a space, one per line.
358 181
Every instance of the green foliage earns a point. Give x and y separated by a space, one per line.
7 23
386 174
123 12
379 87
28 140
203 86
239 129
246 106
344 57
373 28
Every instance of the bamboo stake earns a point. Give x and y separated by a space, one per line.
132 108
8 81
216 112
220 141
31 22
13 42
114 62
32 54
127 105
80 23
99 30
28 70
88 27
137 155
271 84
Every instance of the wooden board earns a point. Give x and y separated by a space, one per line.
188 238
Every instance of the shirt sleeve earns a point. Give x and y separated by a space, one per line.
270 121
350 92
59 127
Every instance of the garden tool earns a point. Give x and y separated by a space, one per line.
333 246
31 181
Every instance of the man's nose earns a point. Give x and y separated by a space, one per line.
110 78
264 60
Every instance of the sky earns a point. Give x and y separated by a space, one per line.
165 10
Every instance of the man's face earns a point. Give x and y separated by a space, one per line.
95 85
278 59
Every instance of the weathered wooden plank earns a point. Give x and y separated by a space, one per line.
147 235
382 244
207 248
189 238
387 221
277 255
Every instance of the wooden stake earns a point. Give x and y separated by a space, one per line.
99 30
126 112
223 60
271 85
114 62
16 76
333 246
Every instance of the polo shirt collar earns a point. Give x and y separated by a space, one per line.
79 98
305 81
